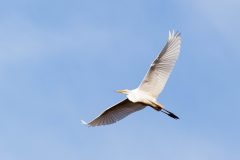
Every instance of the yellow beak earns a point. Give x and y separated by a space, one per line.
120 91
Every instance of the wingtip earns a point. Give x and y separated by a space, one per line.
84 123
172 34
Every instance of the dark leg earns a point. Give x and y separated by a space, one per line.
169 113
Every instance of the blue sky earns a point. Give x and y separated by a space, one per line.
61 61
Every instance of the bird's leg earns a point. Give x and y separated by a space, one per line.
170 114
157 106
160 107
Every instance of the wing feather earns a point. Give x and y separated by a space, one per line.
157 76
116 113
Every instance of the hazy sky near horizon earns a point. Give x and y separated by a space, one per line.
61 61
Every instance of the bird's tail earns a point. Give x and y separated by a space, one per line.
170 114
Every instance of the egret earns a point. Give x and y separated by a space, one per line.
149 89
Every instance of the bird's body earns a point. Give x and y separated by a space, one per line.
149 89
136 95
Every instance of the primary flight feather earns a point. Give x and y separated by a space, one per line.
149 89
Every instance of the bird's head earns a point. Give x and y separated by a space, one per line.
124 91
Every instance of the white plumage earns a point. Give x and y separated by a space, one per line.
149 89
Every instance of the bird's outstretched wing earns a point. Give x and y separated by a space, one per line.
157 76
116 113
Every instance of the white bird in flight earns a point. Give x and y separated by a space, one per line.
149 89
